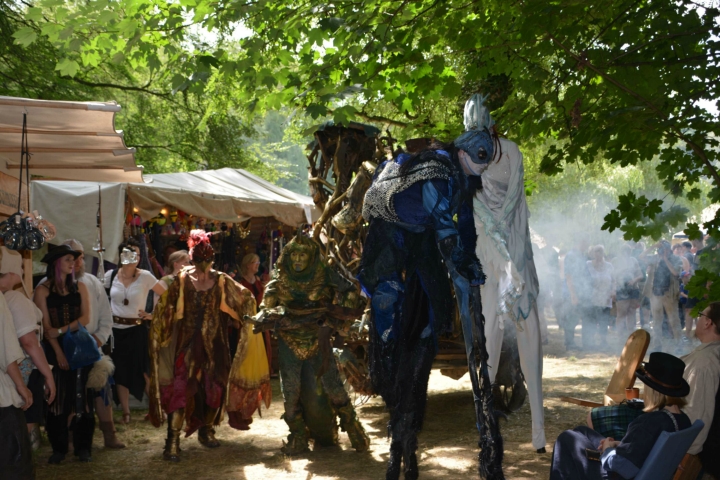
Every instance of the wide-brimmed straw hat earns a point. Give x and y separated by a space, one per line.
60 251
664 373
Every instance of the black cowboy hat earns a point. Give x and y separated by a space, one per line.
664 373
60 251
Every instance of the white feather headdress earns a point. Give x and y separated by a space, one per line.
477 116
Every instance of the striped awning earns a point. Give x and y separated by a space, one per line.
66 140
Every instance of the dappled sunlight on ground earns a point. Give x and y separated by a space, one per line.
448 443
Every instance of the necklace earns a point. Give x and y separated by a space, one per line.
125 289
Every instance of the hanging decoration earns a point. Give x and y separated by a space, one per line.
21 232
99 248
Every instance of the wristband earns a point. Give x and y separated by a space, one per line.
60 331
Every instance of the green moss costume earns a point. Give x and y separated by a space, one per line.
312 389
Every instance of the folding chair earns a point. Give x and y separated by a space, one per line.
668 451
624 376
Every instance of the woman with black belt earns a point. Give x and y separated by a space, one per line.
129 287
65 305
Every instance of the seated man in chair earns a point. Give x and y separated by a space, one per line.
702 372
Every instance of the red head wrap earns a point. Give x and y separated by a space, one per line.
200 248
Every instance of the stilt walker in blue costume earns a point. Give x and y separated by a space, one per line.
413 243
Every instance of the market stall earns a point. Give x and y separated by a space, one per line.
57 139
249 210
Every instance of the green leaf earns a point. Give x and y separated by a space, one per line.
25 36
67 67
315 110
107 16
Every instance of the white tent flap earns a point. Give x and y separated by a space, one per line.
72 208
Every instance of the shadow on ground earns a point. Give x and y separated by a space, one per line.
447 444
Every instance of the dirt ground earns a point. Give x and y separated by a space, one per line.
448 442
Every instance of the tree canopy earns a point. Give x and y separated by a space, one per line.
617 80
171 131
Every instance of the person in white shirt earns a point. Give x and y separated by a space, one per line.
14 398
702 371
27 319
129 287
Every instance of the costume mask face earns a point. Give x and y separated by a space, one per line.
300 260
478 149
128 257
469 167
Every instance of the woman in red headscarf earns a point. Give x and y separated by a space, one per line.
192 370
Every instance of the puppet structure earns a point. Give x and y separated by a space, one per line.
193 378
412 245
504 249
303 303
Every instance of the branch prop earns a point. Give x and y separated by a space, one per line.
491 441
473 327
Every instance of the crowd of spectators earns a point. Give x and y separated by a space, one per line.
37 384
638 287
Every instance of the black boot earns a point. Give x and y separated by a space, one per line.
395 462
410 458
83 432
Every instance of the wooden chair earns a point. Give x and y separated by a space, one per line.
624 376
689 468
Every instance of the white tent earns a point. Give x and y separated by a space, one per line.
227 194
68 140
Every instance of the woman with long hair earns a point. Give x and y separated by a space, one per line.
129 287
583 453
65 306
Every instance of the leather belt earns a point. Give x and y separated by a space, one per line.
127 321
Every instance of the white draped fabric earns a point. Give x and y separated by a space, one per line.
511 289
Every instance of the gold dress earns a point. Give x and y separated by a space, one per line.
191 368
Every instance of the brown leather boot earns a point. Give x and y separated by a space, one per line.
206 434
111 441
172 443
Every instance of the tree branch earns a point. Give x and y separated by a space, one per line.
129 88
695 147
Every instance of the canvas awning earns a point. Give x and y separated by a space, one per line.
226 194
67 140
